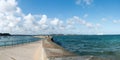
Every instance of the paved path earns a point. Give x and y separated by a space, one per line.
40 50
29 51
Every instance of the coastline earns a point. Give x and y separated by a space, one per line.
44 49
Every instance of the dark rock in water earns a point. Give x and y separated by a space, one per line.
4 34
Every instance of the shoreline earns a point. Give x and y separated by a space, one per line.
44 49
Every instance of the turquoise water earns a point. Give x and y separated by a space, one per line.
13 40
107 46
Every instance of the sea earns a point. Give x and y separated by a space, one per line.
15 40
104 46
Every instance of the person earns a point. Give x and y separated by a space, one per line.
52 39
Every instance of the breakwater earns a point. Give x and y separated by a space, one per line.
44 49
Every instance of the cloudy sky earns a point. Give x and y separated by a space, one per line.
60 16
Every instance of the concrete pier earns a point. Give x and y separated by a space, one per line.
40 50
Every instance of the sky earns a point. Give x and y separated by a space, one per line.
60 16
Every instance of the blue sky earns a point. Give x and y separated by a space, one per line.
68 8
76 16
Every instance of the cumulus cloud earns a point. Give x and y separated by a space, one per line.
7 5
81 21
56 21
13 20
75 20
43 19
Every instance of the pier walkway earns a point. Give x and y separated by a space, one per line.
40 50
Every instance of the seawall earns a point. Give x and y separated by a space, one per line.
52 51
44 49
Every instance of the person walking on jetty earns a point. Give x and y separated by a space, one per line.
51 38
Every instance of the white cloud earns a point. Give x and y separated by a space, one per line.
76 21
100 33
86 2
82 21
104 19
116 21
29 18
85 16
78 2
98 24
56 21
43 19
13 20
7 6
90 25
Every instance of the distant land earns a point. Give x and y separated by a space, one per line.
5 34
8 34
